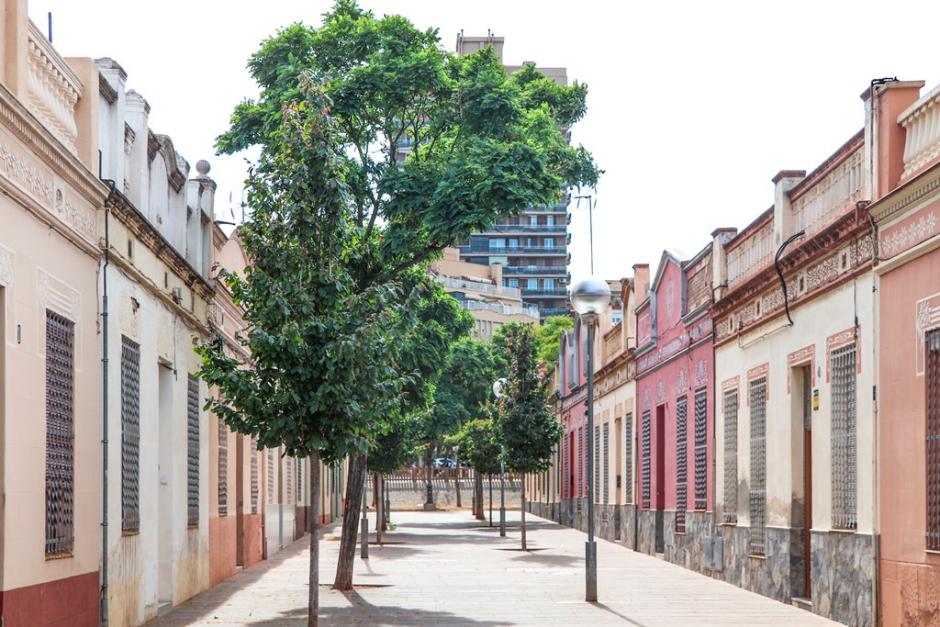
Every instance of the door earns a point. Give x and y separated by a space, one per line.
807 481
618 473
165 487
571 466
660 474
239 500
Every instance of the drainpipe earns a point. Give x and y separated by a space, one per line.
104 407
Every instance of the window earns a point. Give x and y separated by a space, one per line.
512 282
682 469
757 501
223 468
130 435
514 242
844 467
254 476
595 489
548 242
606 471
532 284
580 461
933 440
645 468
550 220
269 479
192 451
628 476
288 478
730 407
701 448
533 220
548 284
498 243
60 469
564 468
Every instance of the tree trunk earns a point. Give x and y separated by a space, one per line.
457 480
523 513
491 500
387 512
375 491
429 502
347 545
379 508
478 495
313 593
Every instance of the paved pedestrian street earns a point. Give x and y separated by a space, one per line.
444 568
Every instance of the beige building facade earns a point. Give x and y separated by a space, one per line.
479 289
50 391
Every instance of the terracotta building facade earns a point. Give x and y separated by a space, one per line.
908 276
675 479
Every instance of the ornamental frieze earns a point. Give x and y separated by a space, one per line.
23 171
800 285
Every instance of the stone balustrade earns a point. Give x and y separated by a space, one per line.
829 198
54 89
613 341
750 255
922 122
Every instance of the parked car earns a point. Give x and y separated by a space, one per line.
444 462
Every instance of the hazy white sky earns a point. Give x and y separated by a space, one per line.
692 108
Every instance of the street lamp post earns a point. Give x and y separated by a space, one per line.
498 386
590 297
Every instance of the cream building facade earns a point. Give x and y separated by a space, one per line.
479 289
50 391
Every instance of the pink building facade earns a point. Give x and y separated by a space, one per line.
675 404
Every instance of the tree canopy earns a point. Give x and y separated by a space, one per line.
548 339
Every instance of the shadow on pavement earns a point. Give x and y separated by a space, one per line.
361 612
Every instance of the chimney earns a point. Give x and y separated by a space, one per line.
720 237
784 181
641 281
884 136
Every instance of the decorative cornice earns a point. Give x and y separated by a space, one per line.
906 196
43 145
104 87
127 213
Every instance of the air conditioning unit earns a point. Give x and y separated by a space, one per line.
568 218
568 259
568 238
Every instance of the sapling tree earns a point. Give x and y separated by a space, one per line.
527 428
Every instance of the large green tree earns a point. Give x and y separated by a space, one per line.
479 445
526 425
426 148
548 339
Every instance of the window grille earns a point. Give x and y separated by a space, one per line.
254 476
564 469
223 468
580 461
130 435
192 452
595 488
60 469
645 468
844 467
269 479
758 495
606 471
933 440
299 484
628 475
731 456
701 448
288 479
682 469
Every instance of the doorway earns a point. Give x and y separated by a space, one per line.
802 506
618 489
239 500
165 507
660 460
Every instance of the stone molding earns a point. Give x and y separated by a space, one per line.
54 89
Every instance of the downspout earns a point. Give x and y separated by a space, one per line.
783 283
104 406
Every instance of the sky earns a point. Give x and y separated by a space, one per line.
692 106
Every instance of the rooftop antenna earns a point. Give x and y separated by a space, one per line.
49 26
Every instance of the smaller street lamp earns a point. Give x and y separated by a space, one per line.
499 387
590 298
